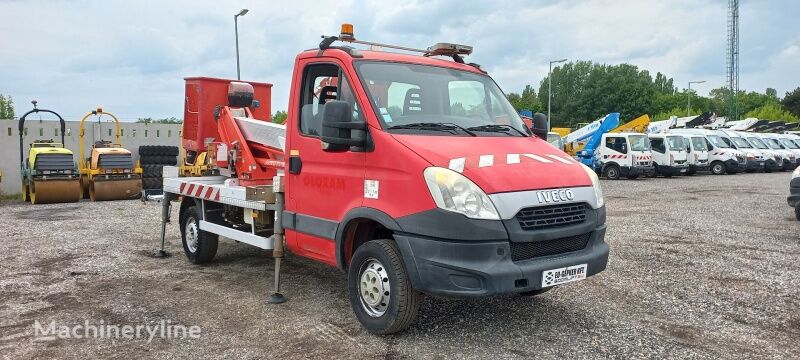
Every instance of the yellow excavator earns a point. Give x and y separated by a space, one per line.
109 173
49 175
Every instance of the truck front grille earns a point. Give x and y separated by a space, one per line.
115 161
546 217
54 162
530 250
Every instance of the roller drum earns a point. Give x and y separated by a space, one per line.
104 190
55 191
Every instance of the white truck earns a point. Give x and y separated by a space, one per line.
755 158
697 153
722 158
624 155
788 147
788 158
669 154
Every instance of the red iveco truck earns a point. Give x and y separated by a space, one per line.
412 173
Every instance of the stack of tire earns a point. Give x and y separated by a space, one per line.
153 158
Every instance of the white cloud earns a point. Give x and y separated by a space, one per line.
131 57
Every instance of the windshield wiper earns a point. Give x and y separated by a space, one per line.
433 126
496 128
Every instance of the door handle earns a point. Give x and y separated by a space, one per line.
295 165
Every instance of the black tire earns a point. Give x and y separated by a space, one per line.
690 172
401 310
717 168
158 150
206 246
158 160
611 172
152 183
797 211
655 172
152 171
536 292
633 177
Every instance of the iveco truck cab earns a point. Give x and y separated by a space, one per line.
410 172
624 155
754 158
669 154
722 159
697 153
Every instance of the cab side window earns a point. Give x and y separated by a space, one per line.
617 144
321 84
708 144
658 145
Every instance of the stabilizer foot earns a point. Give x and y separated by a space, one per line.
276 298
161 254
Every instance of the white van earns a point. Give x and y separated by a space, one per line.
624 154
697 153
722 158
788 157
669 154
755 158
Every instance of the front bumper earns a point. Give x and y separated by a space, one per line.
789 164
673 170
794 192
700 166
733 166
754 165
472 269
636 170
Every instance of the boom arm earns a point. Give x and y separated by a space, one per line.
609 122
638 125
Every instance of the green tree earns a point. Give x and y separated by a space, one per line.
771 111
280 117
525 101
3 109
9 109
791 102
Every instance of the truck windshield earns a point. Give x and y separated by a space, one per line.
790 144
639 143
774 144
676 143
430 100
742 143
757 143
699 143
717 141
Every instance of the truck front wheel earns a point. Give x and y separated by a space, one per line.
380 292
200 246
717 168
611 172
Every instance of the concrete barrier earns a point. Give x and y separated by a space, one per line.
133 136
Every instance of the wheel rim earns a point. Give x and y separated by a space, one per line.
374 288
612 173
718 168
191 234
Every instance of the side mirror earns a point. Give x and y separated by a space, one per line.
339 131
539 127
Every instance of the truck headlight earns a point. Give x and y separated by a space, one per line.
452 191
598 191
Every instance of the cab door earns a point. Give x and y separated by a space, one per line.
320 186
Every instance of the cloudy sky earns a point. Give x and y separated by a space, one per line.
131 56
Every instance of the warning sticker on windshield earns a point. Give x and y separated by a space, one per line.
385 114
563 275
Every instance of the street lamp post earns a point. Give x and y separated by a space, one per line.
689 97
550 88
236 29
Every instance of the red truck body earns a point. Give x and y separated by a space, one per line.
469 201
203 94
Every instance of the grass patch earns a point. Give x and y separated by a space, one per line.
10 197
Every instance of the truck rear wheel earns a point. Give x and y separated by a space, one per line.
611 172
380 291
200 246
717 168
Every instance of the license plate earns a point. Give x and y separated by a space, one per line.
563 275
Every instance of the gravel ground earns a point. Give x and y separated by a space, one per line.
701 267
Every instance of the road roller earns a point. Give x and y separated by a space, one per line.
109 173
49 174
